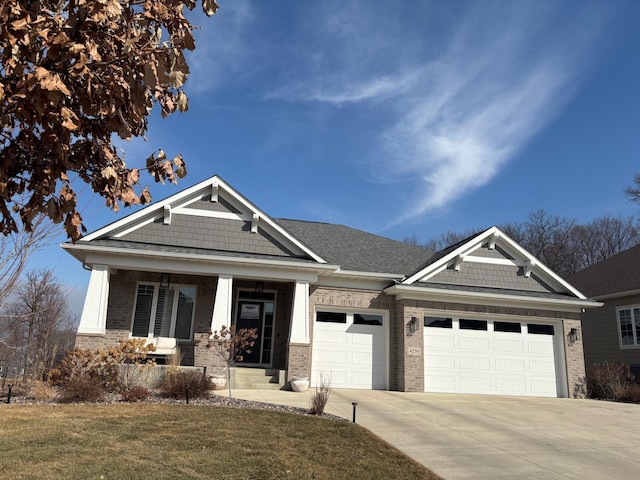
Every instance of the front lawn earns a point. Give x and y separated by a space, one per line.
135 441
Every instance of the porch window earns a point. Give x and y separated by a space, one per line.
164 311
629 326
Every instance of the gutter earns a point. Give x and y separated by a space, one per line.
483 298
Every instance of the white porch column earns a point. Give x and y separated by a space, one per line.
94 312
300 314
222 303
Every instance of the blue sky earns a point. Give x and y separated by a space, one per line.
406 117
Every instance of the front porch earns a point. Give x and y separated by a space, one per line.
180 310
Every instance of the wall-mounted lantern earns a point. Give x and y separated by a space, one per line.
165 279
413 325
574 335
259 287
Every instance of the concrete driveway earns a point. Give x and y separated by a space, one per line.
493 437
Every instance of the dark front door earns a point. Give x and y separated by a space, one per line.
250 315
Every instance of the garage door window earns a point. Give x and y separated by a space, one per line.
366 319
473 324
438 322
510 327
331 317
540 329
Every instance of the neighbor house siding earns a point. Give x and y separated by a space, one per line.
600 333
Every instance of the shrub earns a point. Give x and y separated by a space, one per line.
320 397
610 380
137 393
117 368
42 392
632 394
175 384
82 388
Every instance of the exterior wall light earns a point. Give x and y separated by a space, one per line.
165 279
413 325
259 287
574 335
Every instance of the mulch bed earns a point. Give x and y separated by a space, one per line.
211 400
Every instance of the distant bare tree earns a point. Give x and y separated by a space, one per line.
442 241
547 237
603 238
633 192
559 242
37 323
15 249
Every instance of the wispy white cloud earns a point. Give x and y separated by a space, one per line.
222 50
457 111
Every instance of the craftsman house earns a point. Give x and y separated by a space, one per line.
329 301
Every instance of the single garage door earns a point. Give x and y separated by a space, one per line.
485 356
349 349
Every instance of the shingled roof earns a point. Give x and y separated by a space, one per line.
356 250
618 274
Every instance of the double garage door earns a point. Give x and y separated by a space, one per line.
349 349
485 356
460 355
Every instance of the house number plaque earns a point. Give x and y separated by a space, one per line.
415 351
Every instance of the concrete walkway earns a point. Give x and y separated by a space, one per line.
492 437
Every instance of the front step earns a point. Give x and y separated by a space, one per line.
257 378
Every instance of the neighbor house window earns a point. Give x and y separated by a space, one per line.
629 324
164 311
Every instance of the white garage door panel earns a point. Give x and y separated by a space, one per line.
348 355
484 361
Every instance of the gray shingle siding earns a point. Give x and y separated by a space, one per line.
484 251
207 233
489 275
221 205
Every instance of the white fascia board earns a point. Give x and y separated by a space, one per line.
441 263
609 296
503 240
357 274
157 209
266 219
402 292
352 283
196 264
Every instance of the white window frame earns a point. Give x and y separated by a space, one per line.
634 330
174 310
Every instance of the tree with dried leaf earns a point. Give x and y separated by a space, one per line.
230 346
73 74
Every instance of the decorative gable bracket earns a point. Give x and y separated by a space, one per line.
214 192
254 223
167 215
492 240
458 262
528 267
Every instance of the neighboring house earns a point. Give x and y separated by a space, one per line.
613 331
482 316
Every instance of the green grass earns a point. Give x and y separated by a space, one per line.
177 441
